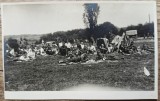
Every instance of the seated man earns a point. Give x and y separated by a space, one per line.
82 45
99 55
92 49
60 44
42 52
103 49
63 50
110 48
31 54
68 45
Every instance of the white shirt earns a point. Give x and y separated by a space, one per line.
68 45
60 44
82 46
93 48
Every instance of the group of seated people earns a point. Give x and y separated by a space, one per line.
61 48
75 51
20 54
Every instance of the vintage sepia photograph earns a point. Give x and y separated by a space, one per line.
80 46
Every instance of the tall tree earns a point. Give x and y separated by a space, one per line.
90 16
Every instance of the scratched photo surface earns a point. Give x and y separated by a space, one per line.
79 47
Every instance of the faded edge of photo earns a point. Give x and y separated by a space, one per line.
87 94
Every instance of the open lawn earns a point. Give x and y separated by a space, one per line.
45 74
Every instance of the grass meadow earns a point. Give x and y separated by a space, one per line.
45 74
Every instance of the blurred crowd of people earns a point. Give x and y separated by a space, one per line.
74 51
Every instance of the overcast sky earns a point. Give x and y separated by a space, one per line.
46 18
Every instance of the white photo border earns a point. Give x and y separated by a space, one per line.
88 95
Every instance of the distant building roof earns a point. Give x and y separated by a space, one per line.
131 32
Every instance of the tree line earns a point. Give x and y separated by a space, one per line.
106 29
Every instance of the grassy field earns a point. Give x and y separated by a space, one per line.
45 74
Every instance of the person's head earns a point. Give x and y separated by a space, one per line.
86 40
102 45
